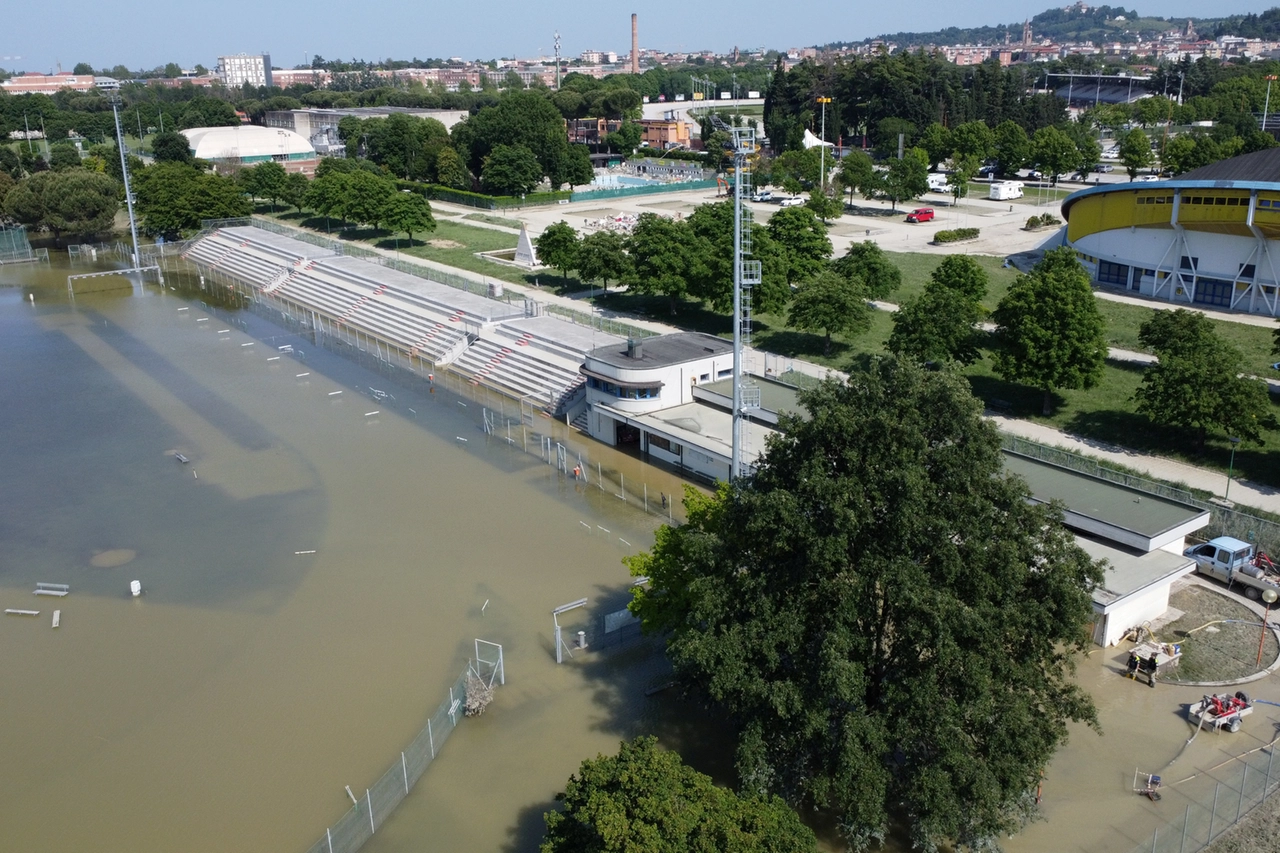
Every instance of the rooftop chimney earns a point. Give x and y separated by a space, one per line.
635 45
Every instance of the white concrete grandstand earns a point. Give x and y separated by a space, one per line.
500 345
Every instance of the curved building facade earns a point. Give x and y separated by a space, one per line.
249 145
1206 238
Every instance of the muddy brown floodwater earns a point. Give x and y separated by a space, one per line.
227 707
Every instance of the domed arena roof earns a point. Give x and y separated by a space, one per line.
247 143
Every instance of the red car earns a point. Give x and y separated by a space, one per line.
921 214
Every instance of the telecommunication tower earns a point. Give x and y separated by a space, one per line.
557 62
746 274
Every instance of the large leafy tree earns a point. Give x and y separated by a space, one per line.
176 197
171 147
1135 152
645 800
885 615
663 256
74 201
1012 146
868 263
1054 152
857 172
558 246
938 326
1049 333
510 170
526 119
802 238
1198 382
265 180
905 179
408 212
962 274
451 171
367 197
602 256
832 304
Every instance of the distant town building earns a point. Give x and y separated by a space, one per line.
49 84
254 69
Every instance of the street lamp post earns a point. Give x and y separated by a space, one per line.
1269 596
1231 466
822 148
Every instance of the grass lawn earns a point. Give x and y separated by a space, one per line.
453 242
493 220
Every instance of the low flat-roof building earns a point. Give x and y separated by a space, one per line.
643 393
1140 535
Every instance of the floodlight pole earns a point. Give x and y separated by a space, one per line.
124 170
1231 466
1267 104
822 149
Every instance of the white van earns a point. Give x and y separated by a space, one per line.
1004 190
938 182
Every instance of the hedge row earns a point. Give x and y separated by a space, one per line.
480 200
955 234
1044 221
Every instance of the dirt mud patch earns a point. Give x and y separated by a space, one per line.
112 558
445 244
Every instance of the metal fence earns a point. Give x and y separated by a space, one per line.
370 811
1223 521
1245 785
625 192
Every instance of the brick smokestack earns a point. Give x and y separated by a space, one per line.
635 45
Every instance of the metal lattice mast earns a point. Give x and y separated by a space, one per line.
746 394
124 169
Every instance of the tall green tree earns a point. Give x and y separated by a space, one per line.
884 614
1049 333
1135 152
905 179
663 257
602 256
825 206
264 180
451 171
973 139
63 156
510 170
869 264
367 197
857 172
294 190
174 198
1199 382
558 247
832 304
74 201
645 800
409 212
802 237
962 274
1054 152
171 147
938 326
1013 146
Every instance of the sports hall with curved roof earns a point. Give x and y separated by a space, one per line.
1208 237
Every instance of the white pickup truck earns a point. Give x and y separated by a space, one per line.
1233 561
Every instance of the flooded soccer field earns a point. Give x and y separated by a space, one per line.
228 706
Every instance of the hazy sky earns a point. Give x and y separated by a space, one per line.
146 33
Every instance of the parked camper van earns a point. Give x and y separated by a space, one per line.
937 182
1003 190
